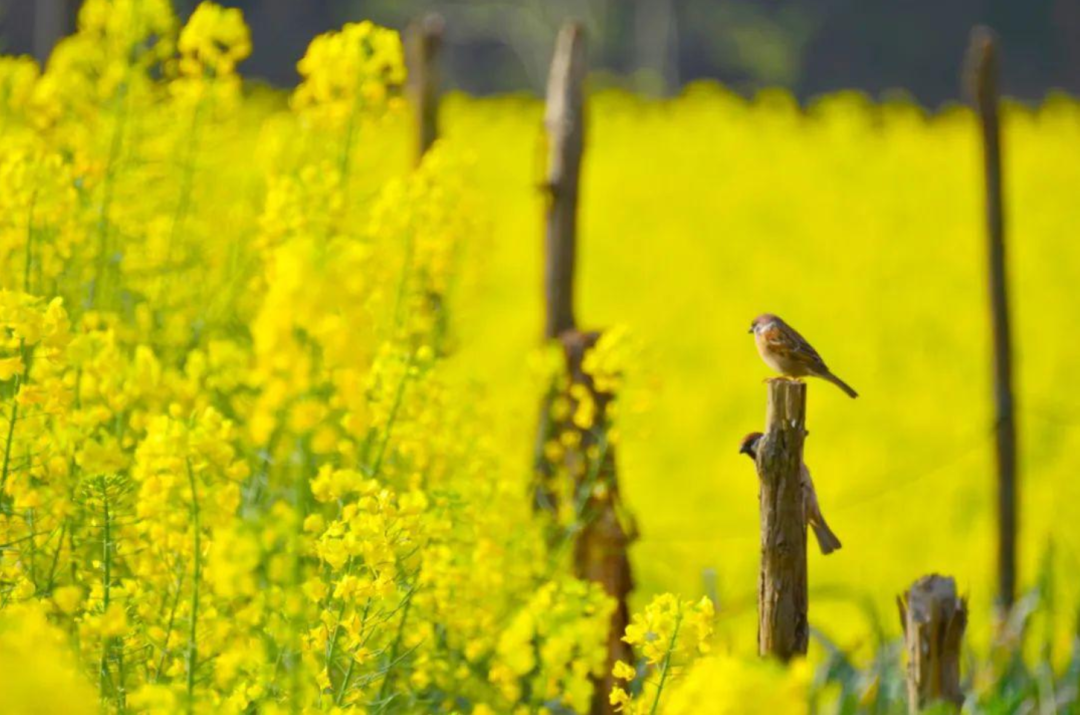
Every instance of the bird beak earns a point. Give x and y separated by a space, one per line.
751 329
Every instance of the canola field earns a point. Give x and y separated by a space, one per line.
268 393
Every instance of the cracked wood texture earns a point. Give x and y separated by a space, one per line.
783 629
934 619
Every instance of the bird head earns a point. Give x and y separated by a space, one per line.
749 444
761 321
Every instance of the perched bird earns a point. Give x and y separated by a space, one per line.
827 540
787 352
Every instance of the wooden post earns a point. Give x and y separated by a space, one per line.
423 42
933 618
600 547
983 80
600 533
564 120
783 629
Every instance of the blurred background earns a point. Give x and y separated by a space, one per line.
657 46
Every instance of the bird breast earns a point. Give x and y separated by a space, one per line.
777 359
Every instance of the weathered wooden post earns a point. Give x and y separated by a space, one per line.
564 120
783 629
423 42
600 547
600 538
564 123
982 74
933 618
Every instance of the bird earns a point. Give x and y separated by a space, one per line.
827 540
787 352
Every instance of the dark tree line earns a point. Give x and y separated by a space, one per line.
809 46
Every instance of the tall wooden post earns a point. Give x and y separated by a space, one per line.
783 629
423 42
600 535
564 120
983 81
934 619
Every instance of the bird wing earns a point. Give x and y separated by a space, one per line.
783 338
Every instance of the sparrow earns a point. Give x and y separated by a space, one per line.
827 540
787 352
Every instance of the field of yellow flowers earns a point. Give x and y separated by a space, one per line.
268 393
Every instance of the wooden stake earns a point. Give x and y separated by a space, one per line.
600 533
600 548
564 120
424 40
783 629
983 81
933 618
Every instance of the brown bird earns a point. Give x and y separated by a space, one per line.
827 540
787 352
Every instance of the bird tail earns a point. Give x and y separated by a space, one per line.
841 384
826 539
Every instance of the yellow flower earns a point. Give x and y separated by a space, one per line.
11 366
113 621
623 670
67 598
619 698
214 39
38 669
734 685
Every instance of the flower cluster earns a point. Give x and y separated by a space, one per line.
358 68
240 471
669 635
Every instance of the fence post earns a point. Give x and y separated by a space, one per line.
564 120
600 547
783 629
933 618
423 42
983 80
600 535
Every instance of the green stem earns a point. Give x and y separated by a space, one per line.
29 240
5 472
666 666
168 630
192 650
106 558
105 545
56 557
187 185
333 644
115 146
10 436
399 397
385 687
